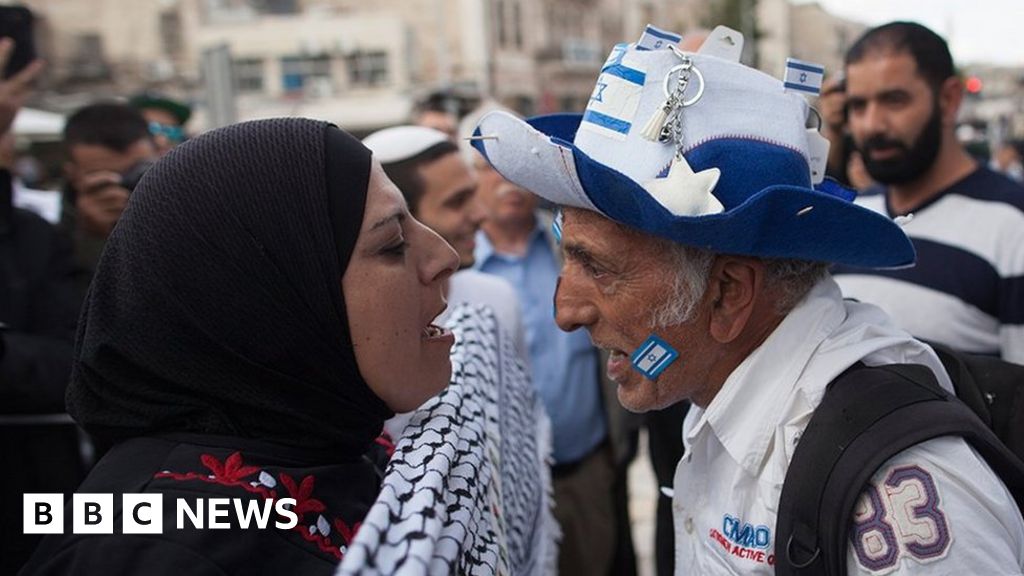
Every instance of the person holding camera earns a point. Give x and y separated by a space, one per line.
108 147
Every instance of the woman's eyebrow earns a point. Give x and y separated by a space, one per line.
398 216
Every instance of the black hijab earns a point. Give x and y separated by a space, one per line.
217 305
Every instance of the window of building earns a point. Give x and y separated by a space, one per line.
523 105
298 71
248 74
170 32
88 62
580 51
367 68
517 23
276 6
499 11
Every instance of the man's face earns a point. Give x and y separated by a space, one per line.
503 201
449 205
95 174
894 117
612 279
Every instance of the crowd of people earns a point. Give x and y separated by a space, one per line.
278 308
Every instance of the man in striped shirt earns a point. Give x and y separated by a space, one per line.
966 222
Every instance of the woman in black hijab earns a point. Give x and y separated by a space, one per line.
263 305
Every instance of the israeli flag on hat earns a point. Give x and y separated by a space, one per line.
655 38
803 76
612 108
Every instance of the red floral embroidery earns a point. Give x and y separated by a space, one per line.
301 493
233 472
347 534
230 473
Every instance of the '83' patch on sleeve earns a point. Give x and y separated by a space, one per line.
900 517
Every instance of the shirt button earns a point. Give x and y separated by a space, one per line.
688 524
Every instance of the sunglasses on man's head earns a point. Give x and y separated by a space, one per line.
169 131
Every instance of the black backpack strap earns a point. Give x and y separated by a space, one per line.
993 388
867 416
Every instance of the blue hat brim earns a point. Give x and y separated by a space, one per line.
781 221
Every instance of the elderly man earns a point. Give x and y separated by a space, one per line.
696 233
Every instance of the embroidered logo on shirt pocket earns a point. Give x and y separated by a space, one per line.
742 540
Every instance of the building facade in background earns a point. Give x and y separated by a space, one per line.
363 65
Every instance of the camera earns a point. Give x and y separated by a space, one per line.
16 23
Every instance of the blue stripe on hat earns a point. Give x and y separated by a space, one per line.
804 67
628 74
606 121
802 88
662 34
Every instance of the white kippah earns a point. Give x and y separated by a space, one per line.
402 142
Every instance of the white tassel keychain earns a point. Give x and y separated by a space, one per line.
653 128
659 128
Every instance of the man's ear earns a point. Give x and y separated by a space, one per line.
70 170
951 96
733 287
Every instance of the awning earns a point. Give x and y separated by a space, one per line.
35 124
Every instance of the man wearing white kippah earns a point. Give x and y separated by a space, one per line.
440 189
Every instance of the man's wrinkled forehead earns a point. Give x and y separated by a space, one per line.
597 233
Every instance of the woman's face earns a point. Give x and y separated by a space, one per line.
393 292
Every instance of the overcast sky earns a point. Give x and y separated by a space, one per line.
978 31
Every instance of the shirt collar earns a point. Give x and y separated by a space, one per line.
744 412
484 250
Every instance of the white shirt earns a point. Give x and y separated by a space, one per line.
470 286
964 290
727 486
45 203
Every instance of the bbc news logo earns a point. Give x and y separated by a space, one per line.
144 513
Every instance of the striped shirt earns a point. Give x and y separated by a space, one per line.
967 288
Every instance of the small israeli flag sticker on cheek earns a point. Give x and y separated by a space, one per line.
653 357
556 227
803 77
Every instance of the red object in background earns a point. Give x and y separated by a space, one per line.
973 85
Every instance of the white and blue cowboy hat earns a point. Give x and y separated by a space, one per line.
741 181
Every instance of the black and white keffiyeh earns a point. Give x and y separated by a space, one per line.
467 490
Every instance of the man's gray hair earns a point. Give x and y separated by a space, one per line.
791 278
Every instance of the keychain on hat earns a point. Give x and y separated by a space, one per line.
681 191
664 125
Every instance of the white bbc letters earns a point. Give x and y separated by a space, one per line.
219 508
42 513
142 514
92 513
